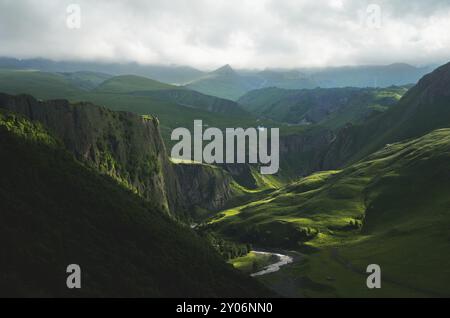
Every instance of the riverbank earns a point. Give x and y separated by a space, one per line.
274 267
262 262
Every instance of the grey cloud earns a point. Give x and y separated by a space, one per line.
244 33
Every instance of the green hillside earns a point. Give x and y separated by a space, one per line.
87 80
223 82
424 108
331 107
390 209
164 98
192 99
130 83
40 84
347 124
54 211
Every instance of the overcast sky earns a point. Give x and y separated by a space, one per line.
243 33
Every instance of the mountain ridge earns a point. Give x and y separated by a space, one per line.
422 109
130 149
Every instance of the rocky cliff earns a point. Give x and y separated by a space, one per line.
202 187
302 154
130 149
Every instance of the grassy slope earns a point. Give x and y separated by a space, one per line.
54 211
40 84
333 107
165 93
130 83
229 86
252 262
391 209
421 110
193 99
87 80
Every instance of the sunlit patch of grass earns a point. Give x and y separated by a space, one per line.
252 262
223 215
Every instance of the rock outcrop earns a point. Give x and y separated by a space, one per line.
202 187
129 148
303 154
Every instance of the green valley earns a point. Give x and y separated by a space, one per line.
225 154
363 180
391 209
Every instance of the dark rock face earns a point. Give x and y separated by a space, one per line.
202 186
302 154
241 173
129 148
340 149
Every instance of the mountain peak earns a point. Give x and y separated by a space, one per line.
401 66
225 70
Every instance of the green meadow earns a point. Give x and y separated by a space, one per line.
391 209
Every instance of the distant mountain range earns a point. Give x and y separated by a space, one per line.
225 82
167 74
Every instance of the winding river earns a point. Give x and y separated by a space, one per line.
282 260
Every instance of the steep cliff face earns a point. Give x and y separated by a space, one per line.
202 187
122 145
302 154
242 174
130 149
340 149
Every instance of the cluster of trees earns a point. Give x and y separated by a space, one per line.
227 249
